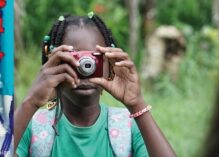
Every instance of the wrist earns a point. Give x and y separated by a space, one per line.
29 103
139 105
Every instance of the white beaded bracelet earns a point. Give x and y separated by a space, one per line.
137 114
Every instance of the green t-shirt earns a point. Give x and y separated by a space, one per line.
90 141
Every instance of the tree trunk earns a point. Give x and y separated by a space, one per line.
149 27
19 12
149 17
215 9
133 9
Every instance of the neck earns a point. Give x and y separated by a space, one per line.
82 111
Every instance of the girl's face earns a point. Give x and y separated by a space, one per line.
84 38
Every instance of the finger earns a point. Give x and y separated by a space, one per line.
62 48
128 64
59 57
102 82
108 49
63 68
55 80
117 55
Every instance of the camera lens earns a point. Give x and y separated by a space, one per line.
87 66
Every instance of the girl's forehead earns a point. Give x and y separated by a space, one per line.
83 38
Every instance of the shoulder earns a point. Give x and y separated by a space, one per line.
44 115
118 120
120 116
118 111
42 121
42 132
119 127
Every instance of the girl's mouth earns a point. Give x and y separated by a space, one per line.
85 87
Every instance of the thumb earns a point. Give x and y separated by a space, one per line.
101 81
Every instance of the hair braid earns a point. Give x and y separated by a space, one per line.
107 34
104 30
61 31
112 40
47 43
54 33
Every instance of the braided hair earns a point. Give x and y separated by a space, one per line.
58 30
56 35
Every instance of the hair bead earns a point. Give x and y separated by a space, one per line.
113 45
90 15
51 47
61 18
46 39
46 50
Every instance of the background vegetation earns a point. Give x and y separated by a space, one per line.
182 108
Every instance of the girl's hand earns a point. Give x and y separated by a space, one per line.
52 74
125 85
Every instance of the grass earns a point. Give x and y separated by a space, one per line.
182 109
27 65
183 120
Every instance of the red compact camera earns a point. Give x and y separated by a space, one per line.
91 63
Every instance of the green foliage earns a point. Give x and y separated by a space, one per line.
184 107
27 67
199 64
193 12
42 14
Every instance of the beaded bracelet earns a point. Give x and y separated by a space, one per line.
137 114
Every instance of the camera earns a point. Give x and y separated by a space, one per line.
91 63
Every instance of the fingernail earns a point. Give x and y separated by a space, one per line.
78 81
71 48
77 64
98 46
117 63
75 86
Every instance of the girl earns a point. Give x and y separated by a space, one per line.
82 129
